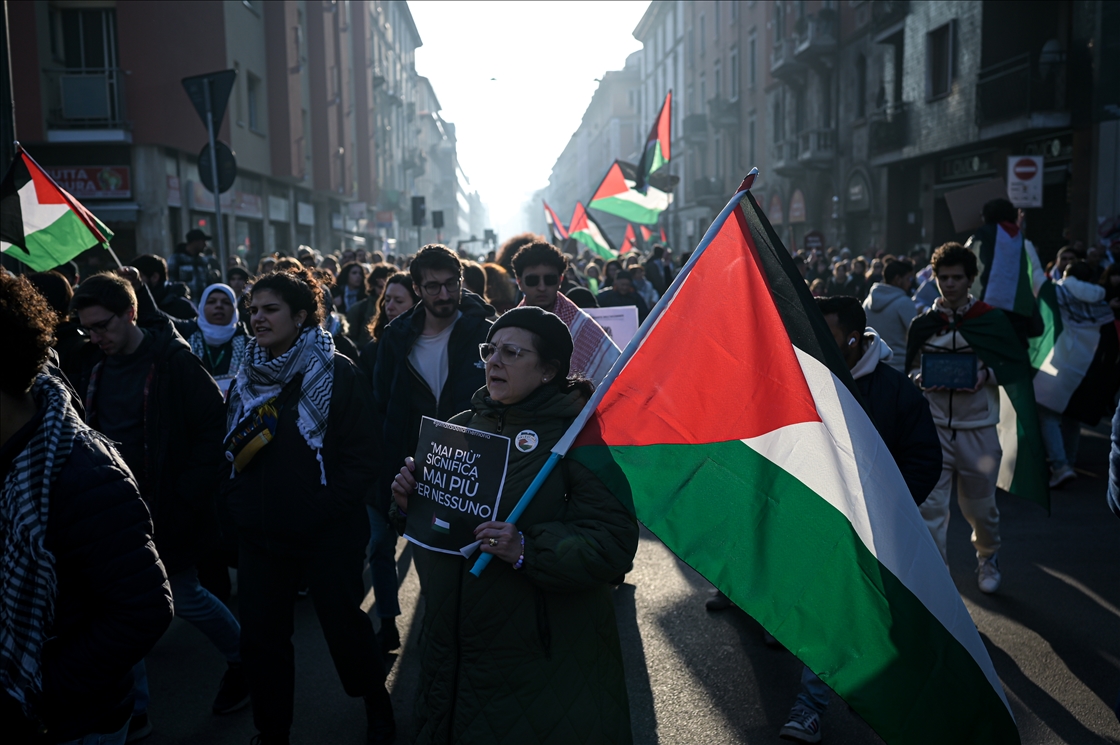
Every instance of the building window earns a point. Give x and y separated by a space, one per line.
734 11
779 30
751 131
715 27
752 61
861 86
703 36
733 62
940 62
717 78
254 89
779 120
703 90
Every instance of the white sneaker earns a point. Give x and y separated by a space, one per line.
988 576
1062 476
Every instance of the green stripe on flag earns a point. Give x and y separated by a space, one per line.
61 241
1051 324
793 562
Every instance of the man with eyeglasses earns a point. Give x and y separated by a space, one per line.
539 268
427 359
144 389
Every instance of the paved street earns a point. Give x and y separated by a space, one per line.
1053 633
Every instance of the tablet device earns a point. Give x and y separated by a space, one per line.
953 370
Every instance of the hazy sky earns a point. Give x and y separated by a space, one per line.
544 58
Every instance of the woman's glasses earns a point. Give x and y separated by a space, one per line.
532 280
507 353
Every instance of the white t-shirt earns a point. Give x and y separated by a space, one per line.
429 357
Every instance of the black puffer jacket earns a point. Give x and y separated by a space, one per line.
112 604
403 397
184 426
279 503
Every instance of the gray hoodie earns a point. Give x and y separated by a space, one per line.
890 311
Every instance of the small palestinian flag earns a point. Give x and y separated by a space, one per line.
440 526
646 233
555 227
616 196
784 495
585 230
40 223
663 238
656 152
629 241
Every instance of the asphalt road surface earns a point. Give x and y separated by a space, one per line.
1053 632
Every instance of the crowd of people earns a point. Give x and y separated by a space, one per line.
162 427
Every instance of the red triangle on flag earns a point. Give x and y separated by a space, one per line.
723 318
613 183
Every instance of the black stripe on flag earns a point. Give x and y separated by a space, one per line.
804 323
11 214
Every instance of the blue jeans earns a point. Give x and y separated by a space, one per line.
113 738
383 564
1061 435
814 693
195 604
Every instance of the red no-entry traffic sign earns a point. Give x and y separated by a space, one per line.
1026 168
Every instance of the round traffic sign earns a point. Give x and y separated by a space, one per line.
227 167
1025 169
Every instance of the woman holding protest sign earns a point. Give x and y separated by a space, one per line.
529 651
301 455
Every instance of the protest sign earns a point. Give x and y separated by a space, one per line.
620 323
459 474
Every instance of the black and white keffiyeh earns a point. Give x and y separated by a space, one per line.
27 575
260 379
237 351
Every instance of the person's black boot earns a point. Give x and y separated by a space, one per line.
233 694
381 727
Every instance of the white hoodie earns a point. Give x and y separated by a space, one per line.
875 351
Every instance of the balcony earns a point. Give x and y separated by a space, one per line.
889 129
886 13
784 158
784 64
695 128
709 192
817 148
86 105
1024 92
815 35
723 113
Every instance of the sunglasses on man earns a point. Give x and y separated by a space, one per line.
532 280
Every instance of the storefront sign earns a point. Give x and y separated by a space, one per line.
859 198
93 182
460 473
797 207
1024 180
305 214
202 199
774 211
174 194
278 208
248 205
813 241
967 166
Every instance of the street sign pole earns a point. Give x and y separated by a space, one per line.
219 231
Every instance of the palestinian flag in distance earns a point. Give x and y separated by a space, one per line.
629 241
585 230
663 238
764 473
40 223
617 196
555 227
646 233
656 151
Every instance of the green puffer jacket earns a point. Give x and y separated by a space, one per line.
532 655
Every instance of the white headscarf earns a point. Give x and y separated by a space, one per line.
214 335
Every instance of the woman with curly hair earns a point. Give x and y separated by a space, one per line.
302 461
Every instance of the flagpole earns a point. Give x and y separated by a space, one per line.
561 448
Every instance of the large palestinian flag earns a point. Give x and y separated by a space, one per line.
585 230
40 223
617 196
556 228
655 154
737 434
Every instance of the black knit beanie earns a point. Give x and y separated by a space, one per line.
548 326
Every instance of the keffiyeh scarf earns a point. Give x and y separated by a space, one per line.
27 574
260 379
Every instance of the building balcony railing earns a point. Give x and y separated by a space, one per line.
784 157
817 148
784 64
723 113
1022 87
816 35
709 192
695 128
91 98
889 129
886 13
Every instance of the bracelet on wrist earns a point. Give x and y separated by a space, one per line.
521 559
